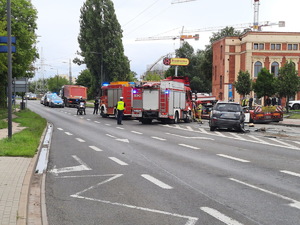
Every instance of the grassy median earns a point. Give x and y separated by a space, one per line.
24 143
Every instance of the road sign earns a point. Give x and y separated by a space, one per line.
179 62
3 49
3 39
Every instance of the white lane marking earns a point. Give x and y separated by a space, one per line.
156 181
82 167
290 173
88 119
107 124
189 128
281 142
257 139
80 140
233 158
121 128
237 136
81 117
135 132
188 146
203 131
69 113
297 142
95 148
96 121
295 203
176 135
110 136
118 161
219 134
75 115
225 219
60 129
68 133
161 139
65 112
191 220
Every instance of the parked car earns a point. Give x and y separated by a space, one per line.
47 98
294 104
228 115
32 97
56 101
42 99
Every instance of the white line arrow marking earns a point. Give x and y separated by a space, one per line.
81 167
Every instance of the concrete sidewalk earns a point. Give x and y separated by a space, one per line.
15 180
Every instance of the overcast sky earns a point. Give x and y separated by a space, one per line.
58 27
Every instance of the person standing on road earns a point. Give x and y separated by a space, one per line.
250 102
274 102
268 101
244 102
279 101
120 107
199 111
194 111
96 106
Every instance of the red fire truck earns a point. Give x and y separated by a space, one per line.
169 100
110 95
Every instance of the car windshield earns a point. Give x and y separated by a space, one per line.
228 107
55 97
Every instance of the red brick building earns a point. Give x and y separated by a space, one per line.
251 51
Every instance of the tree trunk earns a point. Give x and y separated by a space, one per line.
287 103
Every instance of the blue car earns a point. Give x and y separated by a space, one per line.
56 101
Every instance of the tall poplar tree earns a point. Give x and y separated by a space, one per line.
100 42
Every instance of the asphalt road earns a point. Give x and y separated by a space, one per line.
103 173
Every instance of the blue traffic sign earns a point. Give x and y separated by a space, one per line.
3 39
3 49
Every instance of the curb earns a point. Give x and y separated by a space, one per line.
25 192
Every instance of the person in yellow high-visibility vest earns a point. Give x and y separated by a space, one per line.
120 107
194 111
199 111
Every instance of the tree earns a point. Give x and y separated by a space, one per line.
85 78
23 26
287 82
264 84
100 41
243 83
55 83
152 77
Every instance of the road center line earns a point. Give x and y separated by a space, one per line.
60 129
80 140
68 133
107 124
135 132
230 157
118 161
96 121
121 128
110 136
161 139
290 173
88 119
156 181
188 146
95 148
225 219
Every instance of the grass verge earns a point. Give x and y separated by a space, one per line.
24 143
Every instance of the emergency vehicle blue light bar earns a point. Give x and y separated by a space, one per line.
134 91
167 92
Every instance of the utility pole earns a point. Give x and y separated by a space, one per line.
9 67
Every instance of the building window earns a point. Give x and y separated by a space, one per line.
272 46
295 47
274 68
278 46
221 52
255 46
261 46
221 82
289 46
257 68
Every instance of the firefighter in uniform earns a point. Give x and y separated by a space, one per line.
120 107
199 111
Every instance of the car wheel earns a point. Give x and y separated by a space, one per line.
175 120
241 127
102 113
296 106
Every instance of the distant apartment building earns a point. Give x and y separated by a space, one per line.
66 76
251 51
